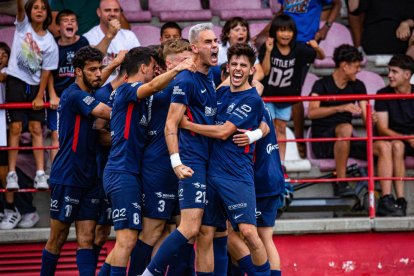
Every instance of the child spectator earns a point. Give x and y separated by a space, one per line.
170 30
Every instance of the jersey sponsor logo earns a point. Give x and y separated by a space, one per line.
296 6
210 111
237 206
88 100
237 216
258 213
198 185
165 196
136 205
270 148
242 112
71 200
178 91
144 121
203 91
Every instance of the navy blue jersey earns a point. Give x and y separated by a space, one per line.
196 91
245 110
128 129
64 75
103 94
75 162
156 152
268 173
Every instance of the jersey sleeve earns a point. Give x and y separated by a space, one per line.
182 89
247 113
360 88
318 88
380 106
82 102
131 92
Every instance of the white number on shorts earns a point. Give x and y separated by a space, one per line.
136 218
54 203
280 78
108 213
161 206
180 192
68 209
118 213
200 197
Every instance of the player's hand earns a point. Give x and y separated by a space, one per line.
182 171
38 103
269 44
54 102
113 28
403 31
241 139
187 64
352 108
120 57
184 123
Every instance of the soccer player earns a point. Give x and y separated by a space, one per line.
194 95
129 120
230 168
73 175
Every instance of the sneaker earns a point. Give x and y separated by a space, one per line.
29 220
402 204
343 189
12 181
388 208
40 181
10 220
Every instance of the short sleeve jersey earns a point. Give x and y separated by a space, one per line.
306 14
156 152
75 162
286 71
128 129
197 92
64 75
245 110
31 53
268 174
400 112
327 86
102 95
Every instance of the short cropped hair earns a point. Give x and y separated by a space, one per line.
176 46
230 24
62 13
28 9
242 49
402 61
138 56
194 31
86 54
346 53
170 25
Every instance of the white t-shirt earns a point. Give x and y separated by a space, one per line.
31 53
124 40
222 55
3 125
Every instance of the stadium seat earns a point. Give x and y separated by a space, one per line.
133 11
256 28
327 164
337 35
293 162
147 34
307 88
409 162
7 35
249 10
373 82
6 19
216 29
178 10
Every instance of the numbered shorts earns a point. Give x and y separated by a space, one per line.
160 193
266 210
124 191
69 204
192 190
238 198
105 210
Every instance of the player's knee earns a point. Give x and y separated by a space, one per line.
102 236
86 240
205 236
344 130
251 237
56 242
398 148
15 128
151 237
127 240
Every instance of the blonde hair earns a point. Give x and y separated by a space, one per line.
175 46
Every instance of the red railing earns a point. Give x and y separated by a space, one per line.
369 137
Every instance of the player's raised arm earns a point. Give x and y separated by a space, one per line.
213 131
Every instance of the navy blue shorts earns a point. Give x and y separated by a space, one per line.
192 190
105 210
52 119
214 213
124 191
160 193
69 204
266 210
238 197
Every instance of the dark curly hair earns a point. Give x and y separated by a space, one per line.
346 53
242 49
28 9
86 54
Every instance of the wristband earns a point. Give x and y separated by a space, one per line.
254 135
175 160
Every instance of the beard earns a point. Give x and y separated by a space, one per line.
89 84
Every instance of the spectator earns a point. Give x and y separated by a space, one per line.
396 118
333 119
34 54
283 61
108 36
85 10
170 30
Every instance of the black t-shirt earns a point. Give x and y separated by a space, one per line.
382 18
400 112
286 72
327 86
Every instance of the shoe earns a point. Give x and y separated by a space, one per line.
29 220
40 181
382 60
402 204
12 181
11 219
343 189
388 208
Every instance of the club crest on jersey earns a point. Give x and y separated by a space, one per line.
230 108
88 100
210 111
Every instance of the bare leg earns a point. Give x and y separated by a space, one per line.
383 150
398 148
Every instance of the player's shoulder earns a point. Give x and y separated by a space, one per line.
185 75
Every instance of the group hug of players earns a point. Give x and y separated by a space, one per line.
171 161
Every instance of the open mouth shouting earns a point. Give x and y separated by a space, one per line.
214 56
